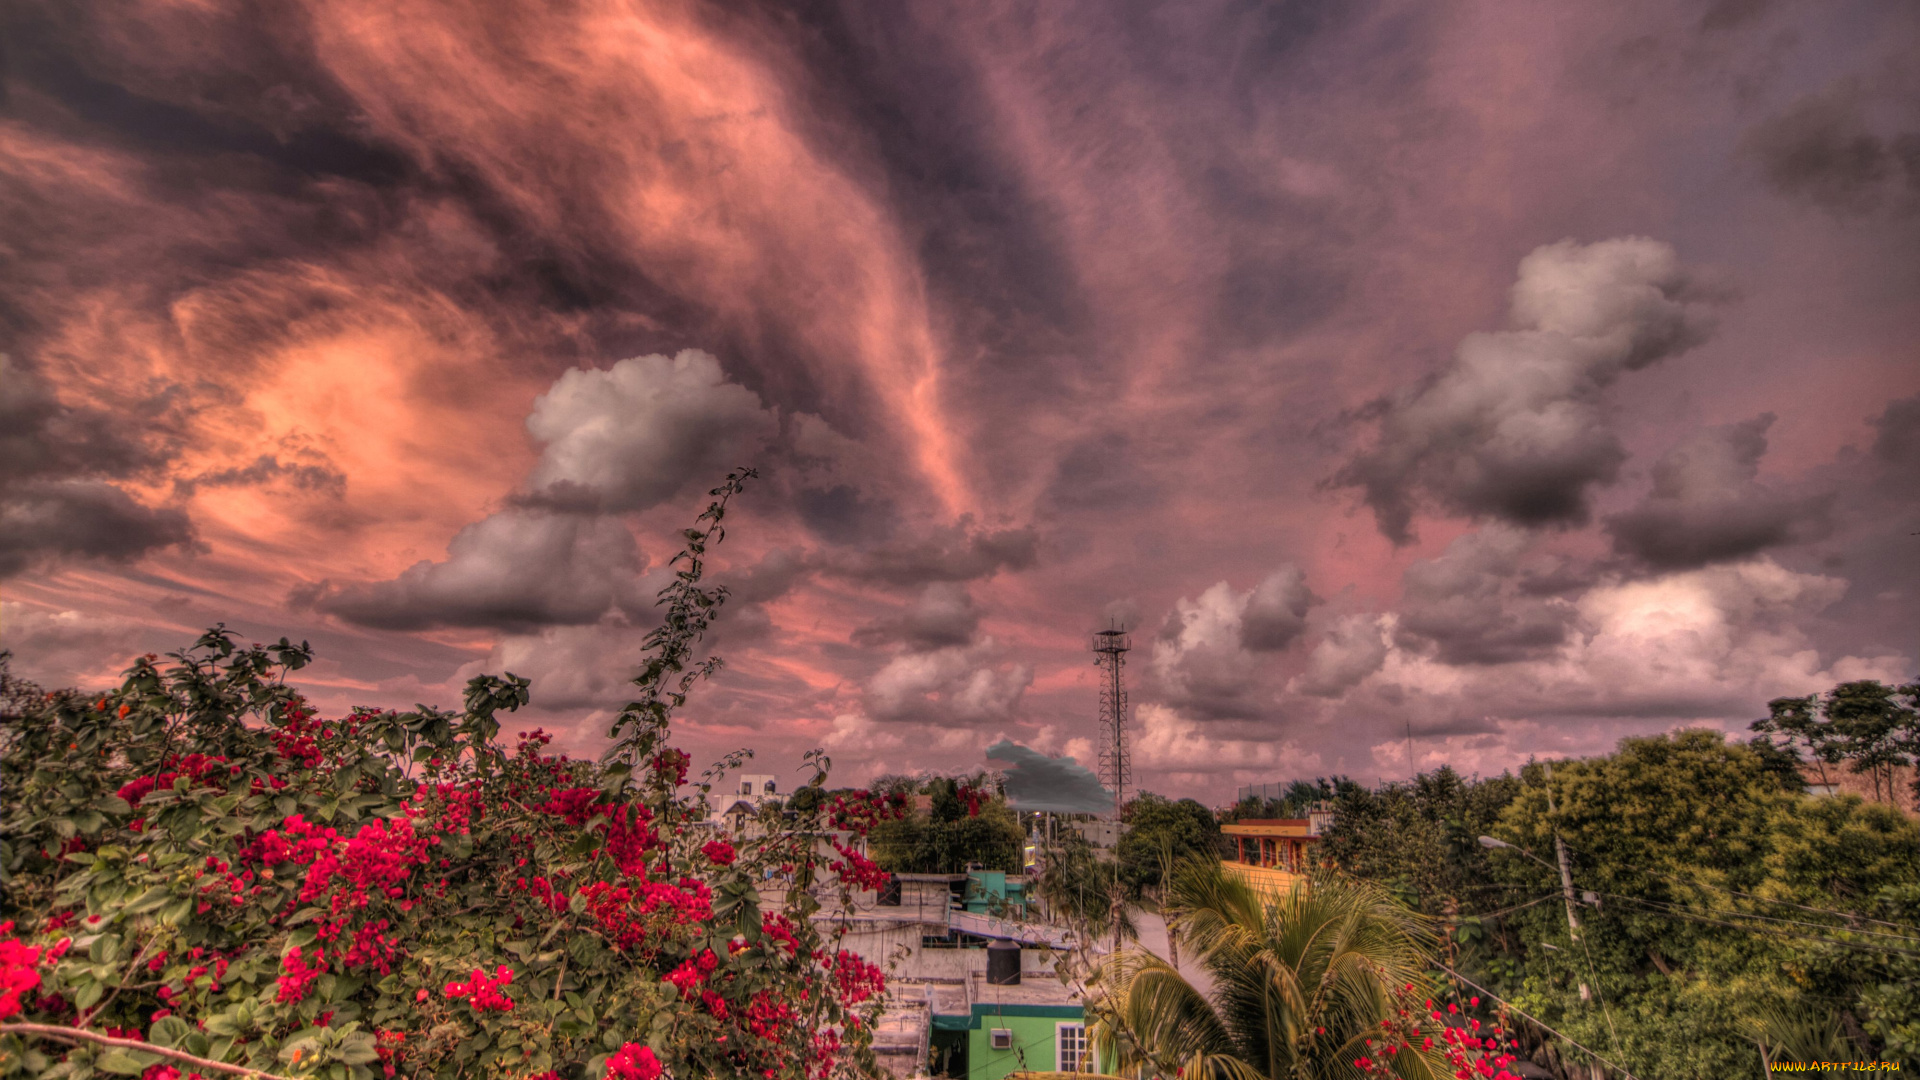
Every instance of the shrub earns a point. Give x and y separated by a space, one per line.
203 875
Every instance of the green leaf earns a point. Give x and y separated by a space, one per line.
151 900
125 1062
176 913
168 1031
358 1050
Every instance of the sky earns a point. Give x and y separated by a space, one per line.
1419 383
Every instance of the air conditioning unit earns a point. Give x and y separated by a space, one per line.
1001 1039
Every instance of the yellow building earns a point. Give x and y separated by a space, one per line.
1272 853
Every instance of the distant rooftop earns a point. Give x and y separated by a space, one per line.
1041 989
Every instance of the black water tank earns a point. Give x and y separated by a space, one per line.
1003 963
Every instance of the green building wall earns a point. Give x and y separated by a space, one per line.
1033 1028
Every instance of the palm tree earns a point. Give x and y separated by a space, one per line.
1300 983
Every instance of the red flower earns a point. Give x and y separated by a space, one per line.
720 852
634 1062
297 975
483 993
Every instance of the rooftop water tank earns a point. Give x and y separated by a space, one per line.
1003 963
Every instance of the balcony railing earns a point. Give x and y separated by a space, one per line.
1266 879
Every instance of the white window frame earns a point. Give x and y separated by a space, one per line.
1081 1047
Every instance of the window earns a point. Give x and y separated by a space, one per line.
1070 1048
1000 1038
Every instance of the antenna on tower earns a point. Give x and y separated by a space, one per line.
1110 649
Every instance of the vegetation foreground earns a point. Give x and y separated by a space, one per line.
204 877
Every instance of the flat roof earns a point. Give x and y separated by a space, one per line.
1034 988
1295 827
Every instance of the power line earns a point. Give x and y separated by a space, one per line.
1911 939
1543 1024
1517 907
1771 900
1678 914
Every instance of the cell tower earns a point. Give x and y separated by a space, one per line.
1116 757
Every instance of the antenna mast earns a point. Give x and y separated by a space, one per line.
1110 649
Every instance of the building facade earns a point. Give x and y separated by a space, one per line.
1272 854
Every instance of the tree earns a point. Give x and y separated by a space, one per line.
204 875
1086 892
967 823
1320 983
1693 854
1718 892
1419 838
1873 727
1160 832
1294 802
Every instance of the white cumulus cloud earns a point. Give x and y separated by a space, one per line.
638 433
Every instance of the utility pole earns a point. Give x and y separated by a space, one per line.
1566 879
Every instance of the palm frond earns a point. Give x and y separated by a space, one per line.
1301 980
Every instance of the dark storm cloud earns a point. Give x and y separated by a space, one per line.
1730 14
956 553
1102 472
1512 429
930 135
941 617
1109 268
266 99
268 469
1822 151
44 521
744 618
1212 657
1036 781
58 465
43 438
1350 649
1276 611
1707 506
1477 604
514 570
773 576
1897 436
621 439
1875 542
841 514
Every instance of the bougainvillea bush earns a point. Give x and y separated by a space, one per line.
203 875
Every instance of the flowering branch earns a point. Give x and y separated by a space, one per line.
74 1034
690 609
